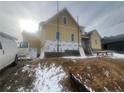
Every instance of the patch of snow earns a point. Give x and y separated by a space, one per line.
78 57
117 55
48 79
74 60
76 78
21 89
25 68
106 89
88 67
107 73
81 50
84 84
88 75
33 53
16 81
24 58
8 87
89 88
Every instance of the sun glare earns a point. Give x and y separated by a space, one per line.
28 25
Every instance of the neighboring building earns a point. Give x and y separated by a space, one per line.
95 40
91 41
33 41
115 43
61 33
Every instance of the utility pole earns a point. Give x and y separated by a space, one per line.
58 34
78 31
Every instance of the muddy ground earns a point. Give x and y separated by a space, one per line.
53 74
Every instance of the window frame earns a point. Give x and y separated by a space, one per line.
72 37
57 35
96 42
23 45
65 20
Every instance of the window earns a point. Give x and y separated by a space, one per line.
0 45
57 36
95 41
23 45
72 37
65 20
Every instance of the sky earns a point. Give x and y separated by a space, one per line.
106 17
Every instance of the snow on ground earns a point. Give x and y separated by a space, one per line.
117 55
47 79
78 57
81 50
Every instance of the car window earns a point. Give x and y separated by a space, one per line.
23 45
0 45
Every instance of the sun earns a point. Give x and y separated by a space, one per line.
28 25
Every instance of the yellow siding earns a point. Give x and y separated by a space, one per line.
95 38
71 22
49 30
65 33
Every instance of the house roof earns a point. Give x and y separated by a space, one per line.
88 34
113 39
5 35
93 31
57 14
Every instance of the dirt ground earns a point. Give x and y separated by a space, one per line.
97 74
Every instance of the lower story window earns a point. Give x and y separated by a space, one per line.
57 35
72 37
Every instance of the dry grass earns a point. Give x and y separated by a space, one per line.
98 73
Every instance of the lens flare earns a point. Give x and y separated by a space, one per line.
28 25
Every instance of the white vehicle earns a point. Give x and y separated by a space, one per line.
25 52
23 49
8 50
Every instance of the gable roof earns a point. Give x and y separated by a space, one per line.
88 34
93 31
57 14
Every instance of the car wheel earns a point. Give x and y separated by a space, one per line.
16 60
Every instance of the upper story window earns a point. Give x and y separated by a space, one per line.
72 37
0 45
57 35
65 20
95 41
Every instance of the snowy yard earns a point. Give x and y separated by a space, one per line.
117 55
36 76
53 75
114 56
